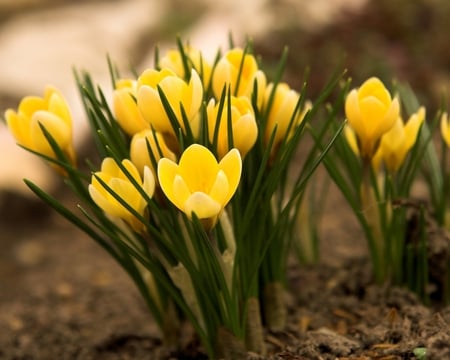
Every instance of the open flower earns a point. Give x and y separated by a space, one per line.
199 184
445 128
371 112
396 143
140 145
195 60
116 179
239 71
281 113
51 112
243 123
179 94
125 108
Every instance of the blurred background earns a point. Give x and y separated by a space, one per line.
42 41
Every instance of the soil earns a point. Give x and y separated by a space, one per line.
63 297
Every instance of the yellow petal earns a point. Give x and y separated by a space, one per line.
202 205
19 126
167 170
445 128
198 167
220 189
58 129
181 193
231 164
245 133
373 87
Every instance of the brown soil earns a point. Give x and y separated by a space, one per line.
63 298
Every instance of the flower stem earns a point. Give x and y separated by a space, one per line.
254 330
274 306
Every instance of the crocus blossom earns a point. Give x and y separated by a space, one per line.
51 112
239 71
396 143
243 124
199 184
179 94
117 180
371 112
125 108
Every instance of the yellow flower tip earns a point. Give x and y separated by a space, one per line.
445 128
239 71
244 126
178 93
51 112
198 183
119 182
125 108
145 142
371 112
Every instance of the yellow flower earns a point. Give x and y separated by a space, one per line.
139 154
396 143
200 185
371 112
120 184
240 72
281 112
52 112
244 127
125 109
445 128
173 61
178 93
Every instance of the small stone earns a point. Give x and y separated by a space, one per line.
29 253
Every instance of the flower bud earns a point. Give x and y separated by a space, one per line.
125 108
371 112
243 124
116 179
239 71
50 112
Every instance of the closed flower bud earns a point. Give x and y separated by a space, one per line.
179 94
239 72
139 150
195 60
199 184
281 113
396 143
113 176
371 112
51 112
125 108
445 128
243 124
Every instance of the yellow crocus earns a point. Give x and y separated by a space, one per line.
239 71
199 184
243 123
195 60
125 108
281 113
116 179
179 94
445 128
371 112
139 150
52 112
396 143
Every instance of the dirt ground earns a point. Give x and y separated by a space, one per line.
63 297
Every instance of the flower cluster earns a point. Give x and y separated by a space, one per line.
191 192
199 186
